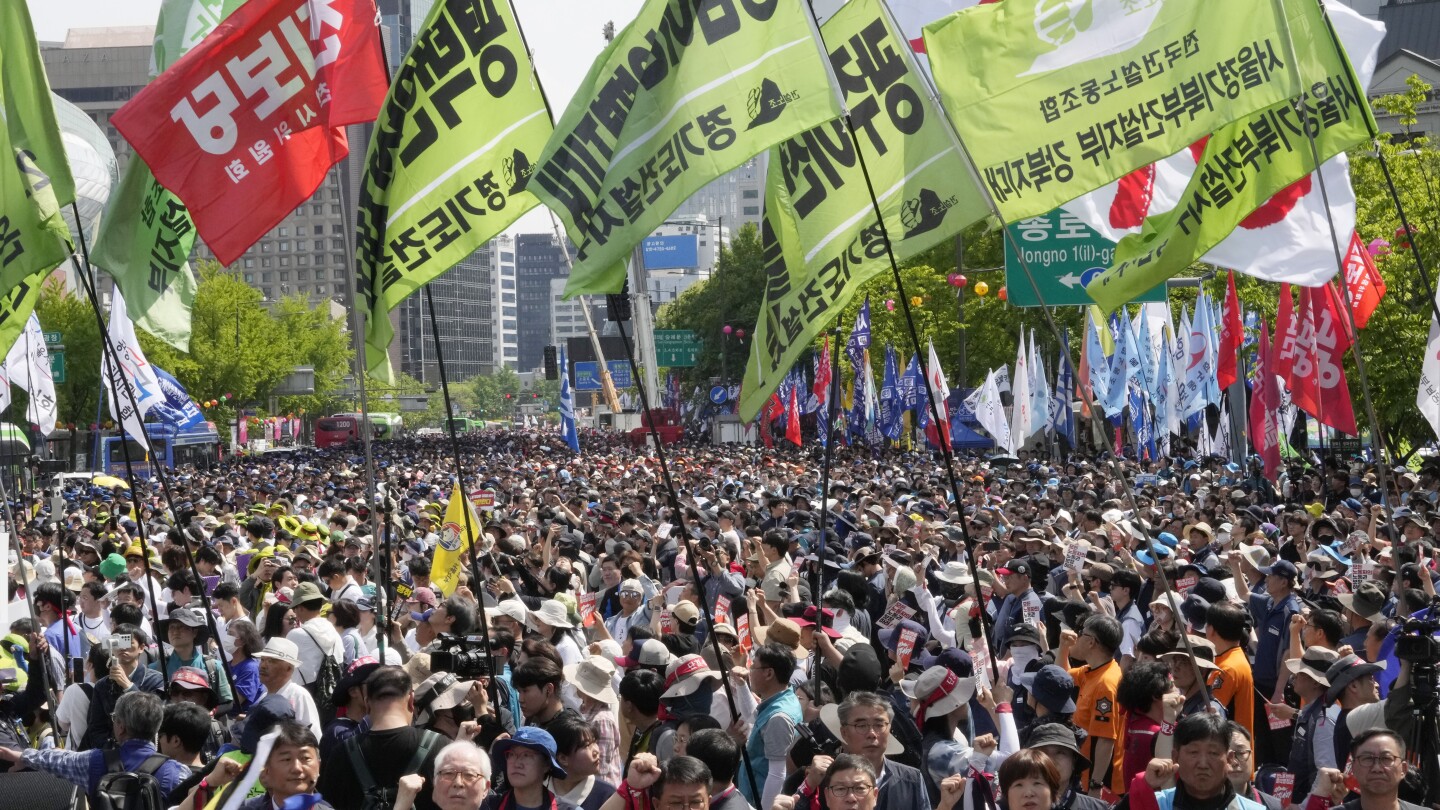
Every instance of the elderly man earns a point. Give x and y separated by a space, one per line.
865 719
1198 777
134 723
462 779
278 663
1377 758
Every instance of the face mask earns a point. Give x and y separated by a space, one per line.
696 703
841 621
1021 657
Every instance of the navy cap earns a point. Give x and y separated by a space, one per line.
1052 687
1283 568
536 739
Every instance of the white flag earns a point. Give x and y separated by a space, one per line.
1222 433
1039 391
28 366
135 375
1287 239
1002 379
990 412
1427 399
1020 407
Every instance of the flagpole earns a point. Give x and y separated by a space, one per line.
108 350
942 431
472 538
1386 457
827 429
690 552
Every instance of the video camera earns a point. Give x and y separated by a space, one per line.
468 657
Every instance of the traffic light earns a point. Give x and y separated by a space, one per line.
552 364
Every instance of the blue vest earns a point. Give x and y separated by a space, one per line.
785 703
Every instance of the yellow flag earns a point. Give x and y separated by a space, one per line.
455 542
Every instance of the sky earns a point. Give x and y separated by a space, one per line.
565 36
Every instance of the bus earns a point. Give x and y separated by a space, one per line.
337 429
172 447
463 424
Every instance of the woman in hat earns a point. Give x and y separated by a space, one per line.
244 667
594 681
941 705
529 761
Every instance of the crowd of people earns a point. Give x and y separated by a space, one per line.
1176 635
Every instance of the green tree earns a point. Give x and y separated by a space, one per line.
732 295
490 393
78 397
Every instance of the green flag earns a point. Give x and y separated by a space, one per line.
450 158
16 305
678 99
35 181
820 235
1243 166
146 234
1056 98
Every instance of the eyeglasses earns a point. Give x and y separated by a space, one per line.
846 791
866 728
631 593
466 777
1372 761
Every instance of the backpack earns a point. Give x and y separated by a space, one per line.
327 680
377 797
120 789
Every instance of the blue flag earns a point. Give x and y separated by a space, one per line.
1062 418
891 406
1099 363
178 409
858 406
912 386
859 336
1119 362
567 408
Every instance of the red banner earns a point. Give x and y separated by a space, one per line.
1231 335
792 419
1264 432
1311 345
823 377
245 126
1363 278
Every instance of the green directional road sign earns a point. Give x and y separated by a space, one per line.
54 338
57 366
676 348
1063 253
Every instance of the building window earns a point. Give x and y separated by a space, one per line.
284 231
284 261
319 244
284 275
339 274
267 262
752 210
337 244
303 261
249 263
264 247
249 278
285 246
322 290
317 209
335 208
750 194
302 275
299 230
266 278
336 228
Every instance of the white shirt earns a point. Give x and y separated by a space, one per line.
73 715
349 590
303 704
311 655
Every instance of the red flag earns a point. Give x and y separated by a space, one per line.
1232 333
1330 342
1264 433
1363 278
245 126
1292 354
792 420
823 377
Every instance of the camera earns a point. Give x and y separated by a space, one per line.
467 657
114 643
808 745
1417 643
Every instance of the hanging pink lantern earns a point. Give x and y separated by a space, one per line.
890 304
727 329
1378 248
955 280
740 333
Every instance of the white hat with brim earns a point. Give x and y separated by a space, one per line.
830 716
943 689
513 608
955 573
441 691
281 649
553 614
595 678
686 675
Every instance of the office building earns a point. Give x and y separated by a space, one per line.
464 310
538 261
504 310
734 199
